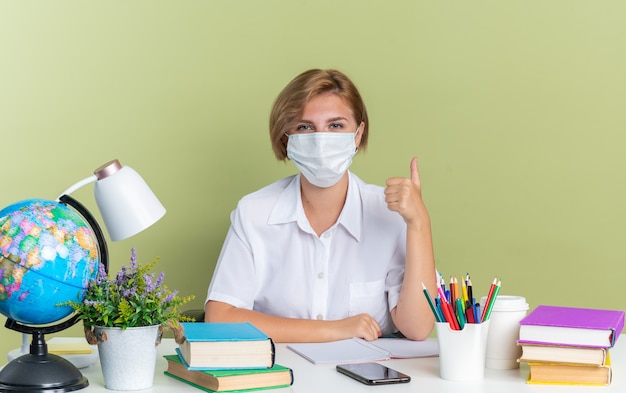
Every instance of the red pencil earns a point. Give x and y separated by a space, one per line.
455 294
450 317
489 299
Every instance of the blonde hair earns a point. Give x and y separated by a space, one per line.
290 103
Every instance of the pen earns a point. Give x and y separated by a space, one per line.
446 309
442 283
438 307
469 312
476 309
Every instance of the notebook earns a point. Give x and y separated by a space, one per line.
357 350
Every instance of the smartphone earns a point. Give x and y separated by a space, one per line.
372 373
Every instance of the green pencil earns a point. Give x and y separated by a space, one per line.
430 303
493 300
459 312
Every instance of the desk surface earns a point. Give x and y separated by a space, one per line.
424 372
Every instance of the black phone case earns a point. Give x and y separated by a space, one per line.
352 371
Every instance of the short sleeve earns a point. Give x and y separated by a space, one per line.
234 281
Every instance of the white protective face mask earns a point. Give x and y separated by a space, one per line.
322 157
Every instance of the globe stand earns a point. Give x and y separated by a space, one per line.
40 371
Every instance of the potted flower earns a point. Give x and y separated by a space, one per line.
126 315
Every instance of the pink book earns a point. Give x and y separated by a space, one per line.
555 325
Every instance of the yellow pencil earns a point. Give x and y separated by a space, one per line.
465 296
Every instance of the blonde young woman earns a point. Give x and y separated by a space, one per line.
321 255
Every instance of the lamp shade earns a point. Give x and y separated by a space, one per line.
126 202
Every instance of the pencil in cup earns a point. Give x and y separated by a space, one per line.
491 299
441 308
459 311
438 316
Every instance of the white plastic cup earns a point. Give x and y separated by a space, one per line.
502 348
462 352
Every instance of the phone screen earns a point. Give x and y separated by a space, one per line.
372 373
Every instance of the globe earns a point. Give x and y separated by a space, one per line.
48 254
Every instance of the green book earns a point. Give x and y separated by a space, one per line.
229 380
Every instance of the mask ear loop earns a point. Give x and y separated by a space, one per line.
285 139
356 134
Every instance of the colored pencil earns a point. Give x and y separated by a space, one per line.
452 291
460 313
442 293
488 300
450 317
493 300
470 292
430 303
464 291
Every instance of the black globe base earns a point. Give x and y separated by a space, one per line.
41 373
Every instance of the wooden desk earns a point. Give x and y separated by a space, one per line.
424 372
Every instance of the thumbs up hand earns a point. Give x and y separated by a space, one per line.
404 195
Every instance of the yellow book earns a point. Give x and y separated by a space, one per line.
569 374
70 348
547 353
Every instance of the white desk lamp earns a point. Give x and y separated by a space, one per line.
125 201
127 206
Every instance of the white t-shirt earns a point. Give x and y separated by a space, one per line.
273 262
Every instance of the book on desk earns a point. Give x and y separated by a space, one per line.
570 374
220 357
572 326
568 345
213 345
533 352
229 379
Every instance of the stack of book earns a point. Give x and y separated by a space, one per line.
221 357
568 345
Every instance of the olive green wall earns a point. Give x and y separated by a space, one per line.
515 109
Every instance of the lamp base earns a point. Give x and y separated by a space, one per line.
41 373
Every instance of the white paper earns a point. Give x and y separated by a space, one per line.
358 350
405 349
